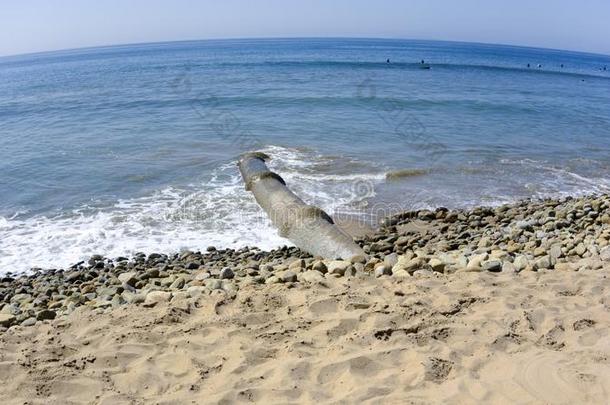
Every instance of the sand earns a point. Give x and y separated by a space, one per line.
528 338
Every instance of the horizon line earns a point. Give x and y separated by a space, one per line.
127 44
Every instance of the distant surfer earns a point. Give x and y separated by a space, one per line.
387 60
539 66
562 65
422 62
528 66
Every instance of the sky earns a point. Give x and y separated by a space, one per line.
28 26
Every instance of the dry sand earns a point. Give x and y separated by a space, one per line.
523 338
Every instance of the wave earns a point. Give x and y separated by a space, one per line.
216 211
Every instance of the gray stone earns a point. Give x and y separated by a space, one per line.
287 276
155 297
45 314
400 273
226 273
492 265
297 265
521 262
273 280
543 263
508 267
358 259
128 278
338 267
195 291
7 320
311 276
31 321
436 265
178 283
213 284
319 266
382 270
390 260
604 254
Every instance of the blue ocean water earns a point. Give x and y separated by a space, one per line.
122 149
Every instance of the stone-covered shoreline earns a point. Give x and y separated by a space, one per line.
571 234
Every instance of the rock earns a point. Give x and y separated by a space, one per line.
297 265
128 278
474 264
155 297
400 273
338 267
604 254
133 298
555 253
196 291
45 314
564 266
178 283
273 280
521 262
580 249
319 266
543 263
390 260
226 273
31 321
311 276
382 270
213 284
202 275
436 265
192 266
492 265
410 265
423 273
508 267
7 320
358 259
287 276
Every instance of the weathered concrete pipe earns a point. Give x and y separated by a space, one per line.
308 227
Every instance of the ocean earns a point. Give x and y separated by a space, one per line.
125 149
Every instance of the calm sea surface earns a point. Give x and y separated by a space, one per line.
132 148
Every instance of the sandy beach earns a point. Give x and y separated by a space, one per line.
480 337
502 305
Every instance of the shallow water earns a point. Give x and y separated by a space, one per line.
132 148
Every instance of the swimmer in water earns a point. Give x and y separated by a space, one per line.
528 65
387 61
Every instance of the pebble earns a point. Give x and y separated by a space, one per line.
226 273
338 267
7 320
383 270
492 265
155 297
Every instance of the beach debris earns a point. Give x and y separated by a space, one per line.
308 227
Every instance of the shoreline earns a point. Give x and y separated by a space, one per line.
496 305
530 235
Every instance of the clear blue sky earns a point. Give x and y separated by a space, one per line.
40 25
